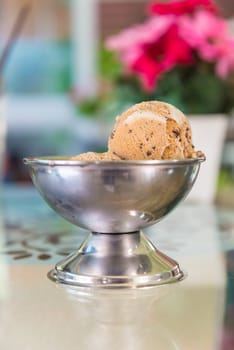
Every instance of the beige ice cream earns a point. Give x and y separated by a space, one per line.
148 130
93 156
152 130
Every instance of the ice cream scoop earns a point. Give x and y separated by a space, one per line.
152 130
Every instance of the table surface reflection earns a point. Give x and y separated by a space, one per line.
195 314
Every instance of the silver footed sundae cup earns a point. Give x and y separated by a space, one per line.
114 201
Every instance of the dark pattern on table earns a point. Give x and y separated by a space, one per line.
21 243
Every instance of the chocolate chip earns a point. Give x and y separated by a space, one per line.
130 131
176 132
154 148
147 139
122 158
148 153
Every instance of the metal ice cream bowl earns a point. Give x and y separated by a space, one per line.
114 200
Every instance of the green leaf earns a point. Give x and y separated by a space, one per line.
109 65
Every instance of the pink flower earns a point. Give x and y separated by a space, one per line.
160 57
146 33
180 7
130 44
202 32
225 61
209 36
151 49
185 33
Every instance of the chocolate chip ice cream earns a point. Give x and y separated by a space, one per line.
148 130
152 130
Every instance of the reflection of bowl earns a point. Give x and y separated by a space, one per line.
122 319
117 307
111 198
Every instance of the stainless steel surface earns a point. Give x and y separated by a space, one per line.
119 260
113 197
115 200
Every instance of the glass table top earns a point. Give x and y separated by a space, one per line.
195 314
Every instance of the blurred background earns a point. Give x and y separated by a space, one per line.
53 79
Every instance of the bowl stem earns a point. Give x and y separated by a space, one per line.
117 260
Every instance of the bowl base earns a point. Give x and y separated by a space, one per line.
126 260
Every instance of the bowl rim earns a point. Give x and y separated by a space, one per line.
67 161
